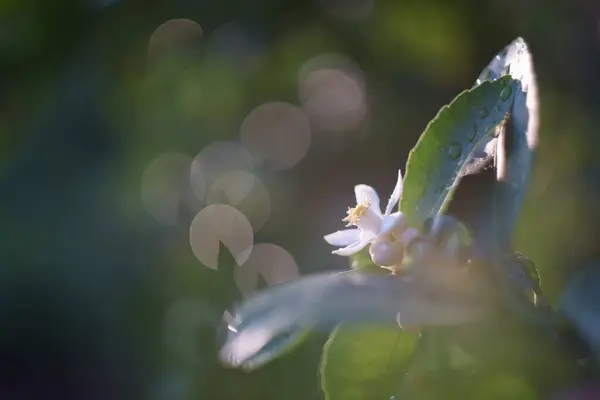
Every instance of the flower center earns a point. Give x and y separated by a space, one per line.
354 214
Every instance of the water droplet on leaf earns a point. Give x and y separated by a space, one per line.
472 133
483 113
454 151
505 93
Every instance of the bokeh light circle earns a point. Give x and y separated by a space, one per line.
217 159
278 133
220 223
177 37
165 184
244 191
332 92
274 263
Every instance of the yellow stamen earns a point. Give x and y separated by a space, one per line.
355 213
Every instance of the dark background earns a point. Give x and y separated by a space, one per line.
90 279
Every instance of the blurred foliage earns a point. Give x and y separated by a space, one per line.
88 275
365 363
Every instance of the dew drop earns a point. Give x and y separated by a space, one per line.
472 133
505 93
454 151
483 113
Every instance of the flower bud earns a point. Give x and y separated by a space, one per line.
385 253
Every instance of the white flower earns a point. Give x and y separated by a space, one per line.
388 233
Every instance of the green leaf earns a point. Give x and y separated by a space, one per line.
434 164
511 151
271 322
365 363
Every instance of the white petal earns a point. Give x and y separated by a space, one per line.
394 222
352 248
364 192
367 236
343 238
370 222
395 197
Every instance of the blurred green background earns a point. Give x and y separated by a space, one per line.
106 107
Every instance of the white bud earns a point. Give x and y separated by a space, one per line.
385 253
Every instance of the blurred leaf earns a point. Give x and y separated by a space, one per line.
494 386
511 348
359 363
502 358
446 145
580 303
365 363
272 321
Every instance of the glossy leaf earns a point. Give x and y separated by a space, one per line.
512 150
517 142
447 144
516 60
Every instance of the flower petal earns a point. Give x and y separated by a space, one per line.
370 222
352 248
395 197
367 236
364 192
394 222
343 238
